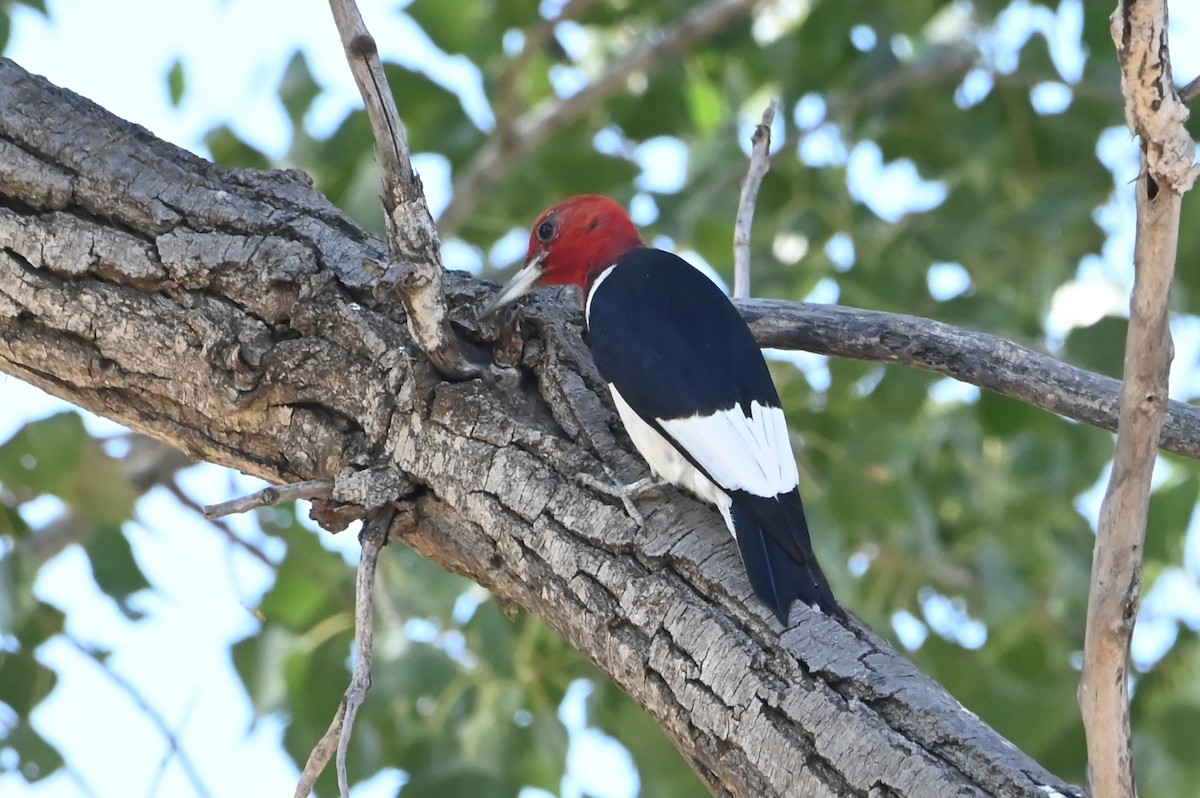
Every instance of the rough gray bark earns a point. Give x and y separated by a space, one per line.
230 313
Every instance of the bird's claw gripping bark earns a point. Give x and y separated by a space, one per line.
625 492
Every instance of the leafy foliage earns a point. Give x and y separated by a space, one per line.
910 135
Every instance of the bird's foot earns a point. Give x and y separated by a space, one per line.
625 492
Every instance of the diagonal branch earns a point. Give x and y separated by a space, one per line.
508 106
286 375
502 152
412 238
1155 112
130 689
977 358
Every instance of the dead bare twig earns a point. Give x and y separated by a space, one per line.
271 496
760 162
321 753
1155 113
222 527
373 538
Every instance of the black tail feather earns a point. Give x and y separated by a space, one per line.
773 537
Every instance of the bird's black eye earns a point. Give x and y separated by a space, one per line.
547 230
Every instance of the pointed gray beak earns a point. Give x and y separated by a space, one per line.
520 284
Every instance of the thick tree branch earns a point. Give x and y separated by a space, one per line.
504 149
231 313
1155 112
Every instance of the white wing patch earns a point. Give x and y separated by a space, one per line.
666 461
739 452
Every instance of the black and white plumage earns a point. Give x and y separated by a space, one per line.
695 395
689 383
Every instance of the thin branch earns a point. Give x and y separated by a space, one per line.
374 537
131 690
501 153
536 38
1190 92
322 752
165 762
760 162
416 271
80 783
224 528
977 358
1154 112
949 65
271 496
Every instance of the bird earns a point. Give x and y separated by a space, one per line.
689 383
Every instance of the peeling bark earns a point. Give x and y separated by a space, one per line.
231 313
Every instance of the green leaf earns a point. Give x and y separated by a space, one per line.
42 454
37 624
114 567
490 637
707 106
55 455
12 524
37 759
298 88
311 583
259 661
1100 347
1171 509
452 26
227 148
176 82
24 681
420 588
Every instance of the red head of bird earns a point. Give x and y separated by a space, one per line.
571 244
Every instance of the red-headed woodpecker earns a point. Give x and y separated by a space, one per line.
689 383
